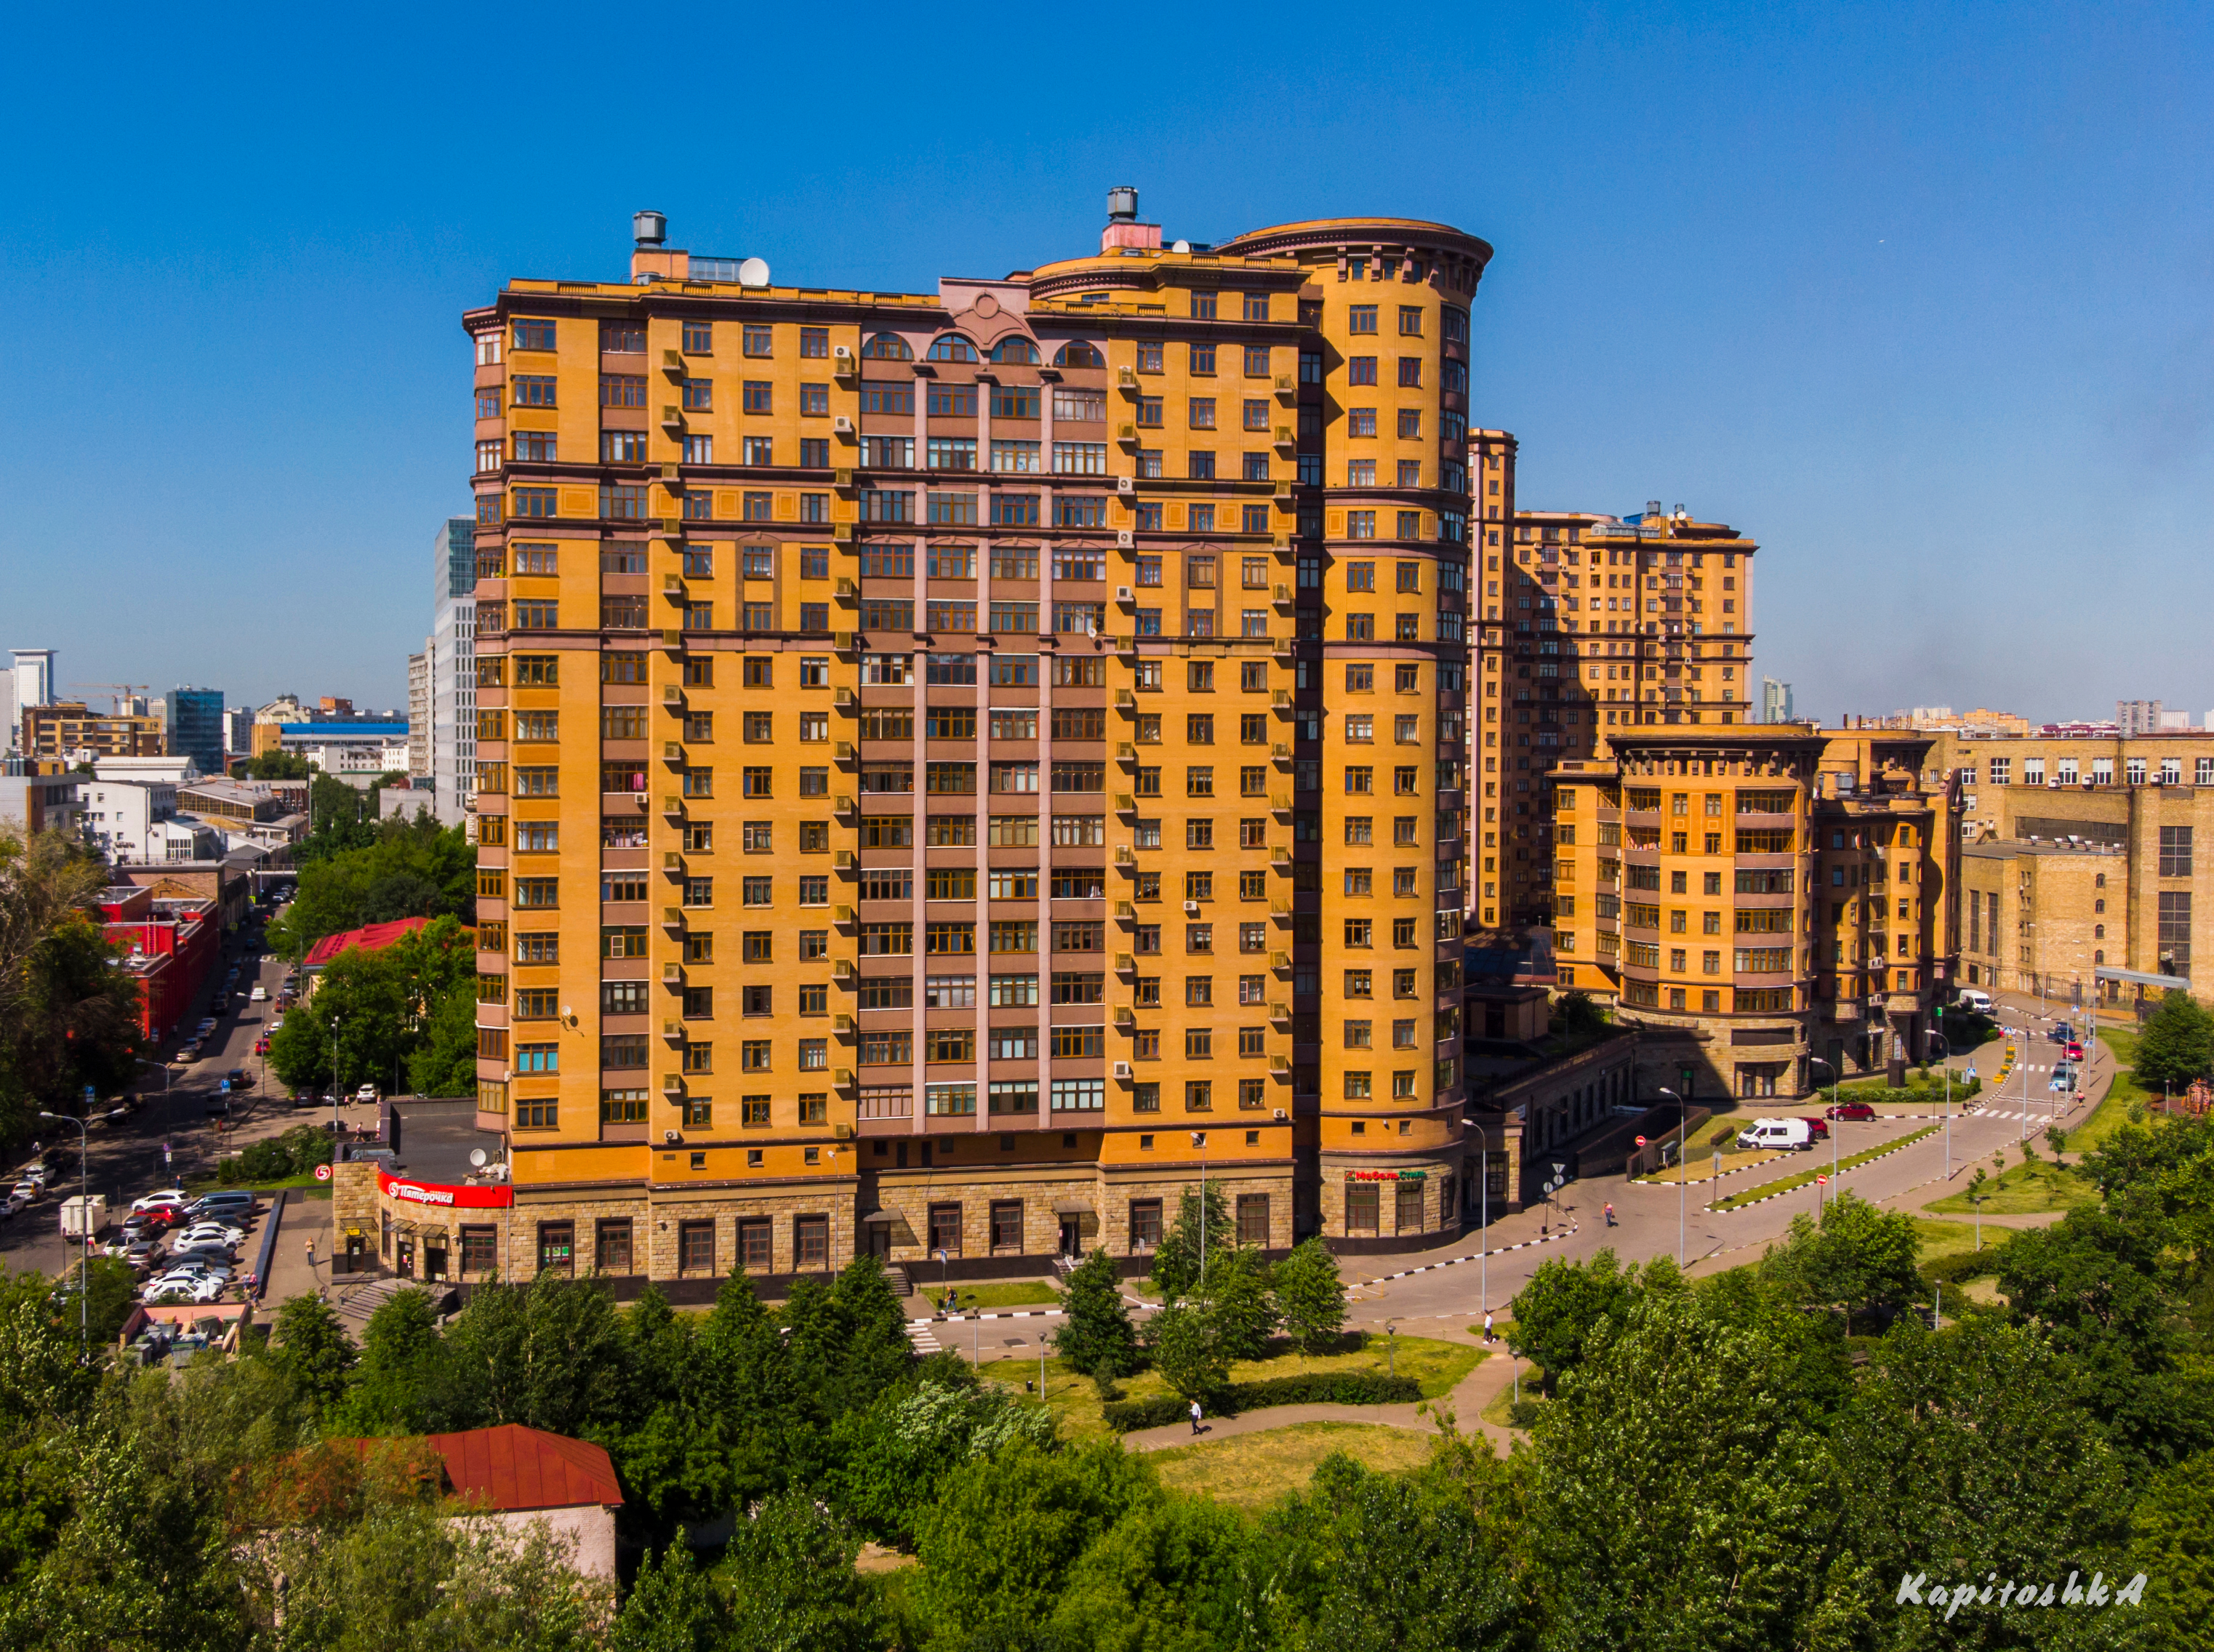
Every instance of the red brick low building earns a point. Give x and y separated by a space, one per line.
170 944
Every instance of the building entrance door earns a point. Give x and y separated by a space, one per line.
1072 1236
877 1236
404 1263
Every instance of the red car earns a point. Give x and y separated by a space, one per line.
1849 1109
1816 1129
2075 1050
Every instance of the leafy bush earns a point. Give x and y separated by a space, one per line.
1305 1388
295 1152
1959 1268
1522 1414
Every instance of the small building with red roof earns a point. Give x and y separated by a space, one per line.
515 1477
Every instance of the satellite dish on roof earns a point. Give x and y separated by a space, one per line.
1181 247
754 272
477 1158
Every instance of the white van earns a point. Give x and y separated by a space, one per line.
1970 999
1778 1135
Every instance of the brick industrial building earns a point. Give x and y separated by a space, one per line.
955 768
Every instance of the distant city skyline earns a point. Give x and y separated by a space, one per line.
1920 296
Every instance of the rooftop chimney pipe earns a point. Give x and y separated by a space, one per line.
1122 205
649 228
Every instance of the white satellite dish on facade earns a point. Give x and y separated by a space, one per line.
477 1158
754 272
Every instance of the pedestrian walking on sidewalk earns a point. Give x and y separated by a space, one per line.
1610 1213
1195 1416
311 1250
1487 1326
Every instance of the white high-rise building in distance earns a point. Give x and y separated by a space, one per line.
451 665
30 683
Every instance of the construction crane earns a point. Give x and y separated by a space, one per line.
122 692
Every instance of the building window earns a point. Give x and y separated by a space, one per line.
1145 1224
1362 1202
557 1247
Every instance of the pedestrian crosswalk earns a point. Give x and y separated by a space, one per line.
919 1334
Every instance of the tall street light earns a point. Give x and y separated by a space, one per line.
1199 1141
85 1238
335 1126
1816 1061
1682 1113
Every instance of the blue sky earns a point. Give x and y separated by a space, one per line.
1922 298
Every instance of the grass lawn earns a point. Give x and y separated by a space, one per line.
1934 1239
2110 1114
1785 1184
1499 1412
2033 1187
1436 1365
1249 1471
2121 1039
1011 1294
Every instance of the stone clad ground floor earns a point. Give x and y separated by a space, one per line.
941 1223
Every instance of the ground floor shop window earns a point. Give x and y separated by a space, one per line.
945 1228
557 1246
1409 1213
1760 1079
1253 1219
755 1252
1145 1224
695 1247
1360 1207
811 1242
480 1250
611 1245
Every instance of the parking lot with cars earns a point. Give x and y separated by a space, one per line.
195 1102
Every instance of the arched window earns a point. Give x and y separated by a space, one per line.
951 346
2098 958
2098 905
2098 932
1079 355
2101 881
1016 349
888 346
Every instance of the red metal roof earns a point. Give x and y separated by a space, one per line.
512 1467
373 938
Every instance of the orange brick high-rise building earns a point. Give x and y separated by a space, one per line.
955 768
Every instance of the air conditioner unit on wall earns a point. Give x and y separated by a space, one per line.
1124 539
1122 1069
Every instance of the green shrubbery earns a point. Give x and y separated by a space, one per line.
1302 1388
295 1152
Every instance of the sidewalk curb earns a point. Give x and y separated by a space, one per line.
1872 1158
1454 1261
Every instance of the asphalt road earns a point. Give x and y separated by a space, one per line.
125 1156
1710 1241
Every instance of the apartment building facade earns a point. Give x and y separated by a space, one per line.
1590 624
939 755
2137 805
1759 899
61 730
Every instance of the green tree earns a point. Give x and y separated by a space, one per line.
2177 1044
312 1347
1635 1540
1188 1350
547 1354
1577 1018
399 1009
1097 1338
998 1546
792 1588
892 1459
1860 1257
400 1349
2172 1542
113 1292
277 765
1177 1260
353 873
672 1607
1311 1297
1239 1305
75 1023
1564 1303
1182 1573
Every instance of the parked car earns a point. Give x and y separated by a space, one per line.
1970 999
1785 1135
2075 1050
1858 1111
229 1202
259 995
28 1191
367 1092
175 1195
240 1078
210 1232
185 1290
1819 1129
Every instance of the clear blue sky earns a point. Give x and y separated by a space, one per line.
1922 297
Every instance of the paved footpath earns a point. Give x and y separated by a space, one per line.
1466 1402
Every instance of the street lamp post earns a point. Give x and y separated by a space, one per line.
1681 1118
1946 1062
1199 1141
85 1238
1816 1061
1483 1217
335 1126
